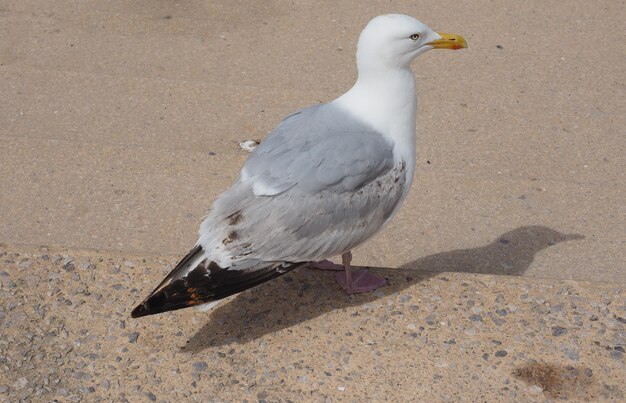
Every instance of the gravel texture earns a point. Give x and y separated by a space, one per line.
68 336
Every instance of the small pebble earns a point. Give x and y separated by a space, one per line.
133 337
379 293
20 383
476 318
200 366
471 331
26 264
4 389
558 331
341 388
572 354
498 321
501 353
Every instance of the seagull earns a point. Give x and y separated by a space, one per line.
325 180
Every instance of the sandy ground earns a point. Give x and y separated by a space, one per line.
121 123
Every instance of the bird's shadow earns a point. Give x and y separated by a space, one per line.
305 294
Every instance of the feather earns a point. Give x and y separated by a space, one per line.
197 280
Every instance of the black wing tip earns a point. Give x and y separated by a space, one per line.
145 308
139 311
206 282
155 303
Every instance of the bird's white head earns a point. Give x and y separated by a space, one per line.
392 41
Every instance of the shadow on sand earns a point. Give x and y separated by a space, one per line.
305 294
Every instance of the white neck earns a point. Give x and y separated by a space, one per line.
387 101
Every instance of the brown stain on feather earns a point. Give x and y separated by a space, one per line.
230 238
234 218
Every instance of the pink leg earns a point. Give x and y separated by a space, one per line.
358 281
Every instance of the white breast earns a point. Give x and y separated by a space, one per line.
387 101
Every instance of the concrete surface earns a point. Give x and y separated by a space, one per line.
121 123
425 337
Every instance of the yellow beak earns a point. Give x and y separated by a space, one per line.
449 41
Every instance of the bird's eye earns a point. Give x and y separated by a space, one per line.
414 37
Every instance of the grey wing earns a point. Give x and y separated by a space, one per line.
318 186
318 148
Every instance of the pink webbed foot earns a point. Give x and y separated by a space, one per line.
362 281
352 282
326 265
